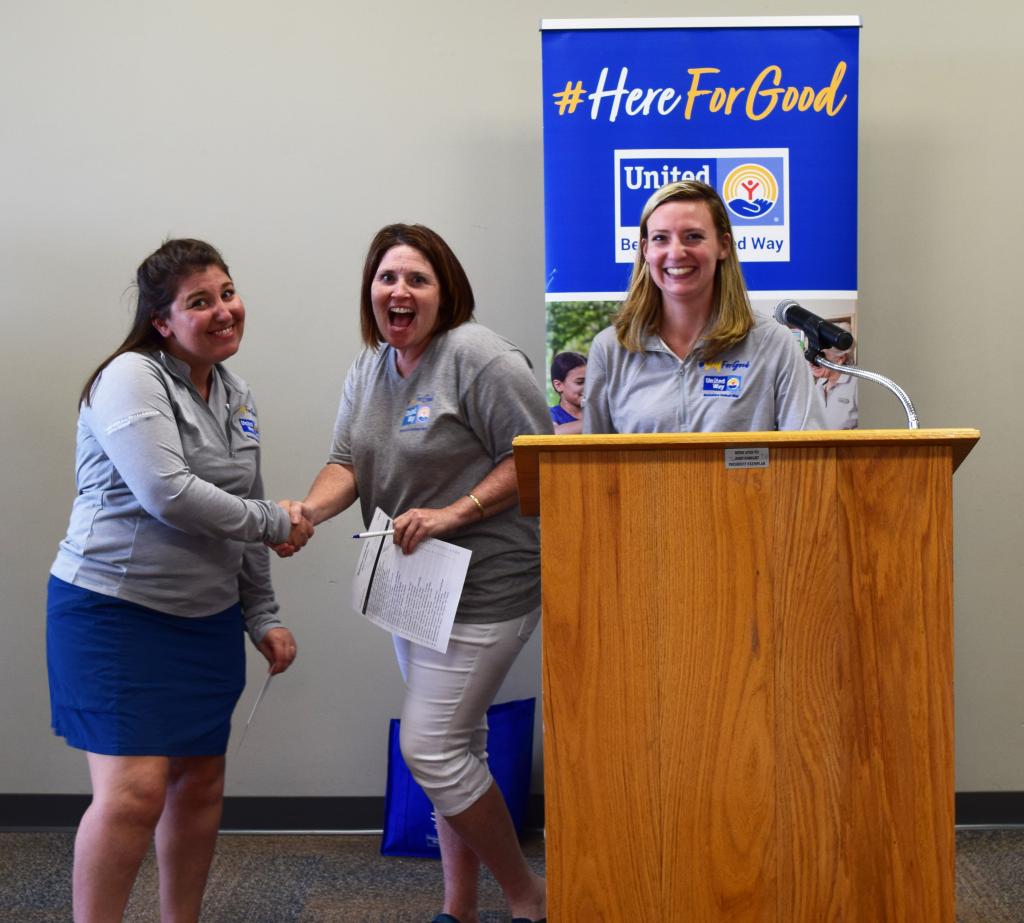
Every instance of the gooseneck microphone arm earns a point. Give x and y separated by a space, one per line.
822 334
904 398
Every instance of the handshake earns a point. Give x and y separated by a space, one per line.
301 531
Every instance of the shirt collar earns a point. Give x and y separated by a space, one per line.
177 367
653 343
182 371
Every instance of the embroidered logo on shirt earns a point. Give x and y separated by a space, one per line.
723 386
417 416
717 365
246 419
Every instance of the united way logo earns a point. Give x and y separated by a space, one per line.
753 182
417 416
246 417
723 385
750 190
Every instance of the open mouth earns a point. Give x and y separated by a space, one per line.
677 272
224 333
400 318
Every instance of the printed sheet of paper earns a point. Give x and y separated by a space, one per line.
413 595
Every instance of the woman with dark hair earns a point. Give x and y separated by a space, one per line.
686 353
568 376
424 431
163 567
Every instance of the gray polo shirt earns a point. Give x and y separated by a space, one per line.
762 383
169 512
840 402
426 440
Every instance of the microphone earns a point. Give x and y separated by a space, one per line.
821 333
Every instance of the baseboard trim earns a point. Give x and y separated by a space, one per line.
271 814
305 814
990 809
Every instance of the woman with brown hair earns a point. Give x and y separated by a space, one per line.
162 568
424 432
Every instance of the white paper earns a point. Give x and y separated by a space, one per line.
413 595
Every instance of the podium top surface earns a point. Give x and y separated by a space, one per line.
527 449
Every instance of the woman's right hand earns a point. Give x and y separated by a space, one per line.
333 491
302 528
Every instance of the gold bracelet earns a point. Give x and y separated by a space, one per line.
479 506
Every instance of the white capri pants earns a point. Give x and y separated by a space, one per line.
444 716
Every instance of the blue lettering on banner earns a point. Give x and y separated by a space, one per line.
723 385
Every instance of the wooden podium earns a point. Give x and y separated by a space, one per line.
748 703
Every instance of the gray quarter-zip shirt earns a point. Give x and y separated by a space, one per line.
761 383
169 511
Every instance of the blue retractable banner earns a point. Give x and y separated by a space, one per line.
764 110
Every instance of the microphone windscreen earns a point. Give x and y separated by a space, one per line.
782 307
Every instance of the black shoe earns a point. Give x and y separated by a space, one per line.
525 920
448 918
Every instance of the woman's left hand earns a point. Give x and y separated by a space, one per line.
278 646
496 492
417 524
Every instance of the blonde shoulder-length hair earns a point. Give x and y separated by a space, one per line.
731 316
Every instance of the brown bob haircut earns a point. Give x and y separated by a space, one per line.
456 306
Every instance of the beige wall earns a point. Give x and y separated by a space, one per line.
287 133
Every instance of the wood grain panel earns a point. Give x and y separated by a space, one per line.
748 706
716 675
601 733
899 823
811 645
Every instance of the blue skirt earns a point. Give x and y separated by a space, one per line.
126 680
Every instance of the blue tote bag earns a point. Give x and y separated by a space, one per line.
409 828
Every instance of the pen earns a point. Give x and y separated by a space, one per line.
373 534
259 699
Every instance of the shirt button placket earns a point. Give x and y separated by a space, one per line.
683 410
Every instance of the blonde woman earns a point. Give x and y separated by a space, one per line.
685 352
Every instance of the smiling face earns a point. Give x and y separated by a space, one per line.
406 296
204 323
570 389
683 250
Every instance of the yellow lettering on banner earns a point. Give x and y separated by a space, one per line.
693 92
826 99
756 92
722 99
767 92
733 93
